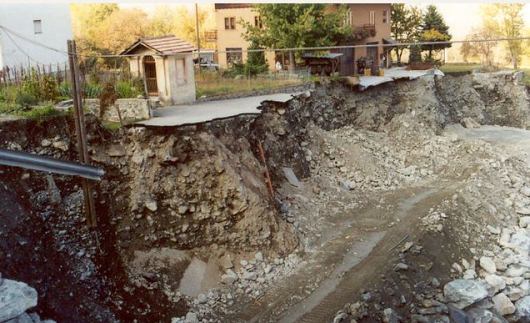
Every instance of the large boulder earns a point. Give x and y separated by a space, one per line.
464 292
15 299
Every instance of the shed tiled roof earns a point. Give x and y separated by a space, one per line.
163 45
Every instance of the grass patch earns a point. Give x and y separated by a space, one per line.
38 112
34 112
224 86
111 125
458 68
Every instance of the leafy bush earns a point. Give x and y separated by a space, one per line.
31 86
48 89
26 99
92 90
64 89
128 89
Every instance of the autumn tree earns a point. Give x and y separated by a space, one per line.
434 29
122 28
87 20
297 25
405 25
482 50
505 20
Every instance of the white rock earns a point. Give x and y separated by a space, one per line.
495 282
15 299
229 278
514 293
464 292
470 274
525 190
259 256
524 221
488 264
151 205
202 299
192 318
522 307
503 304
516 271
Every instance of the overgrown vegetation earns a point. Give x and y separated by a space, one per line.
36 94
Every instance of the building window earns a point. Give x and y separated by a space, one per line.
372 17
257 22
348 20
230 23
385 16
234 55
37 26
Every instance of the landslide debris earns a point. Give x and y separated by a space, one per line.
190 232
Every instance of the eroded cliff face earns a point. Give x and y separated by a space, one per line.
192 190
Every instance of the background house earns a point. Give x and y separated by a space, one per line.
373 19
47 23
230 33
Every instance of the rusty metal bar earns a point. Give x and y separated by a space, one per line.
268 180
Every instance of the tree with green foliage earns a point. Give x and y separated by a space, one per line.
405 25
297 25
434 29
506 20
256 62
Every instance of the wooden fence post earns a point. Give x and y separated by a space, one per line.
79 118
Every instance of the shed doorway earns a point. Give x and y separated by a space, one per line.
150 75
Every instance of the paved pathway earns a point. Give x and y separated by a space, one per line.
212 110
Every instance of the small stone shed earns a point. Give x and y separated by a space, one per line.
166 65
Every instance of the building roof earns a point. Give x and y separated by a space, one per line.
232 5
163 45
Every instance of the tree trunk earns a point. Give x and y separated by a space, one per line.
291 62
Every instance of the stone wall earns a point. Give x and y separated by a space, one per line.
130 109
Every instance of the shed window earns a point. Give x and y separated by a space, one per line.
372 17
230 23
37 26
234 55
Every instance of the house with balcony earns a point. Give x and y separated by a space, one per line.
370 25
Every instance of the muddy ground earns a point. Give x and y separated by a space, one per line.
391 194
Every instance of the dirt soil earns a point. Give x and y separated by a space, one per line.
392 192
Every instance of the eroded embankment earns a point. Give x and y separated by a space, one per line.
193 199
